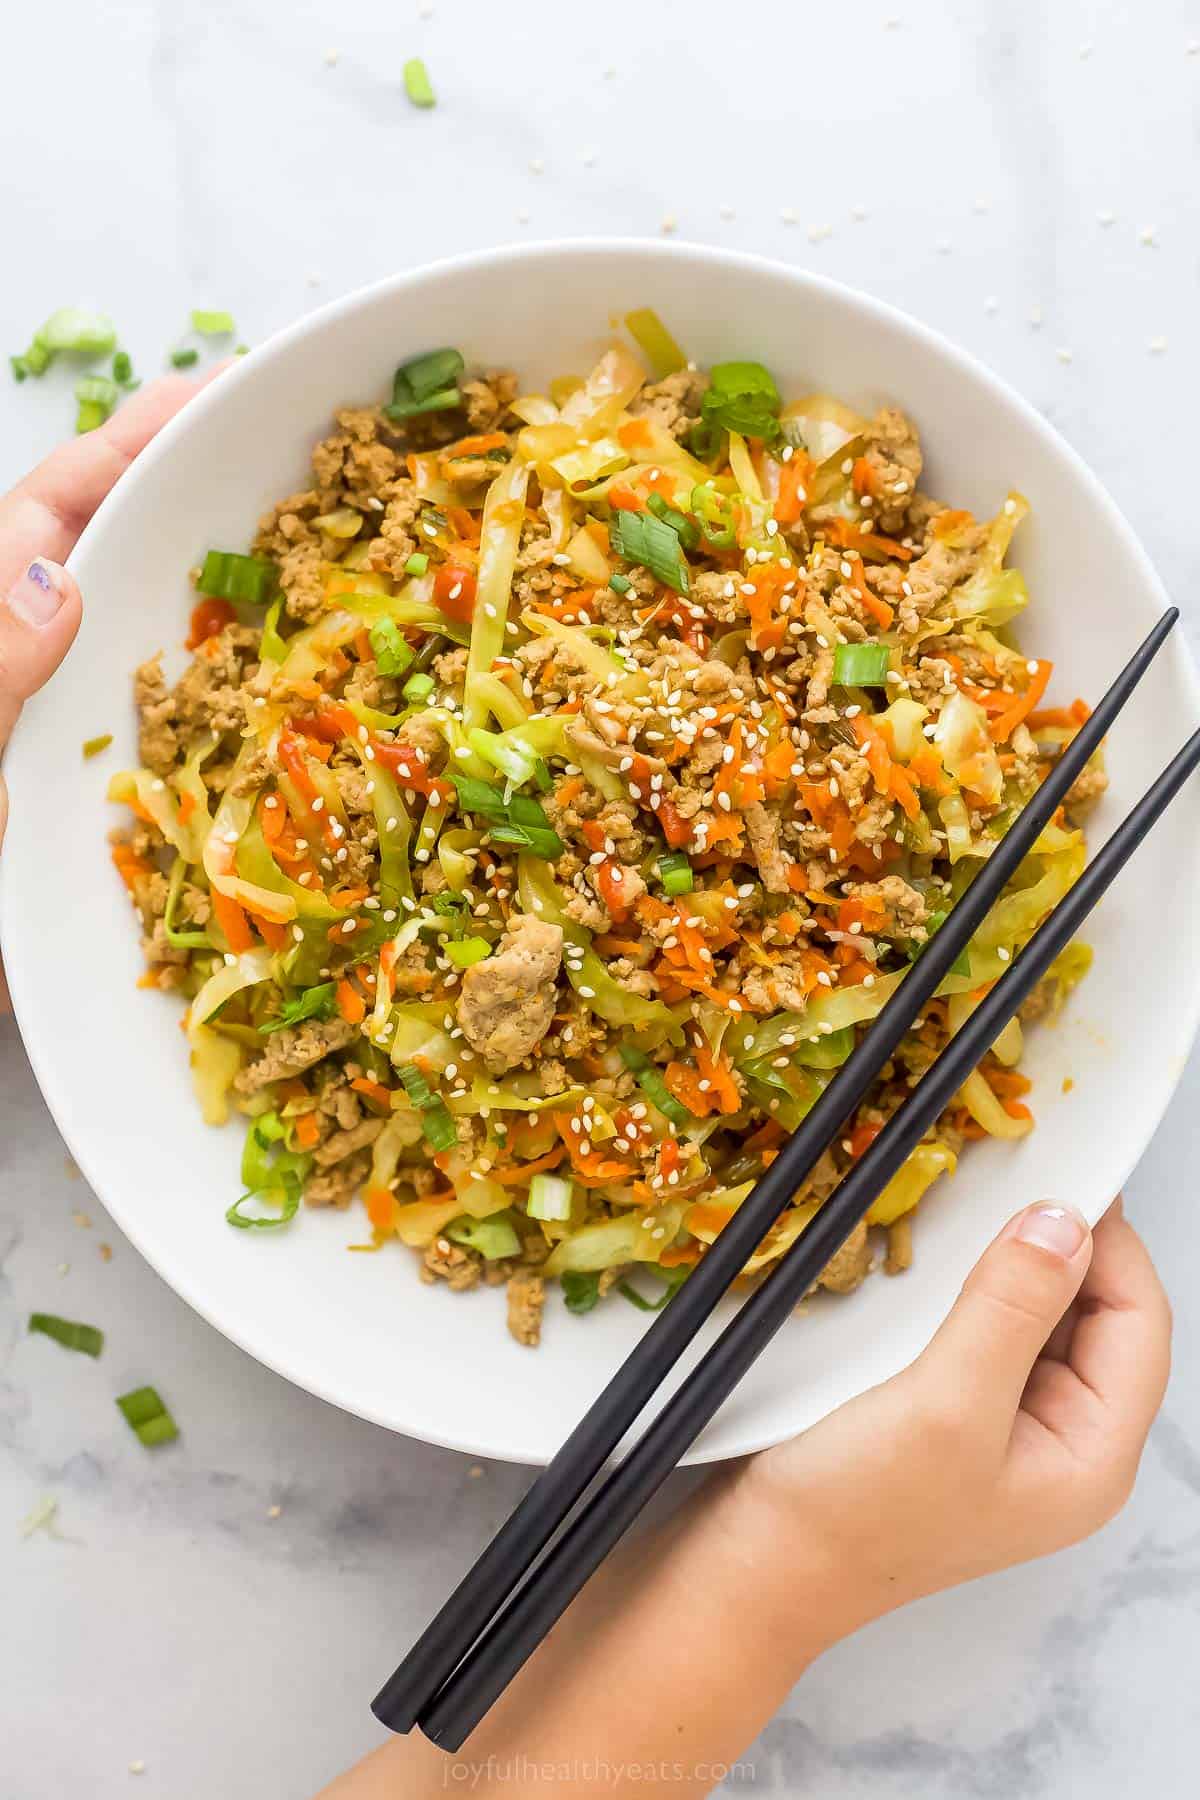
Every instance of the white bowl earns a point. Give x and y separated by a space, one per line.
362 1331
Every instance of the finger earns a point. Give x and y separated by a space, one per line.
1009 1305
1121 1349
45 513
1058 1344
39 617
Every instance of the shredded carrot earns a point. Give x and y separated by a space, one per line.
625 499
374 1090
474 446
849 536
350 1003
464 524
1003 727
903 790
795 477
380 1203
609 944
233 922
272 931
676 1256
863 478
129 865
685 1083
676 829
307 1130
614 888
517 1176
567 790
719 1073
346 897
861 1139
879 609
1078 713
635 434
926 765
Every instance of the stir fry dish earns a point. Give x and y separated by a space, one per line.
559 786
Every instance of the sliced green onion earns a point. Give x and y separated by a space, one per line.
671 1279
74 328
416 1087
742 396
448 903
392 654
122 370
654 1087
519 820
550 1197
713 512
861 665
680 524
620 584
34 361
439 1128
642 538
517 763
184 359
228 576
493 1238
418 688
581 1290
464 952
417 84
426 384
93 746
145 1413
313 1003
212 324
675 873
271 1174
287 1195
72 1336
97 396
651 335
417 563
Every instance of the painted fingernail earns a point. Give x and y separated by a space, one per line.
1059 1229
36 597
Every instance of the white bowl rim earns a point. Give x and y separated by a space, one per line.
598 248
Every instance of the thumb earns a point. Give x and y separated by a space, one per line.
39 617
1009 1305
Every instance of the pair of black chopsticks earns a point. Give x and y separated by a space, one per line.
491 1623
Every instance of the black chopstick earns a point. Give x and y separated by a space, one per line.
540 1513
521 1626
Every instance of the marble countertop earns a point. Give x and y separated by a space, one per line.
1022 178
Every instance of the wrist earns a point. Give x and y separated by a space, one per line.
784 1580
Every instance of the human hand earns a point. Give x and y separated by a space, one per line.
40 522
1018 1431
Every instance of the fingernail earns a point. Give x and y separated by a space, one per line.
36 597
1059 1229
